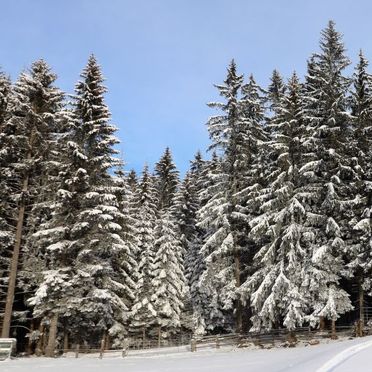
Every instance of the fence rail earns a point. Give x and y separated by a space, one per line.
188 342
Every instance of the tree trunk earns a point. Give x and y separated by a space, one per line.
65 341
40 341
17 247
321 323
237 285
103 344
107 342
29 342
159 336
143 337
333 334
14 263
49 351
361 309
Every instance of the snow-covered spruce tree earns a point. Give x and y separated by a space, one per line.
6 233
275 91
127 266
34 120
276 286
84 244
6 206
186 205
132 180
206 312
209 312
359 255
236 133
143 314
167 179
326 164
168 284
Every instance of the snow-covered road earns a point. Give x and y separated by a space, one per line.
343 356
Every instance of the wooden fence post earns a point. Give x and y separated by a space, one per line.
65 342
102 350
124 353
193 345
217 343
333 334
77 351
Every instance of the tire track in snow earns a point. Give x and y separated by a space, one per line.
343 356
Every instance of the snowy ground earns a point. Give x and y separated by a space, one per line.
338 356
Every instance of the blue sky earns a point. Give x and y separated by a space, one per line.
161 57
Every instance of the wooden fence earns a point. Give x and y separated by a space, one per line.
267 339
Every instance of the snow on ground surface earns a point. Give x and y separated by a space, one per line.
338 356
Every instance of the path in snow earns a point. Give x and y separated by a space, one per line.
338 356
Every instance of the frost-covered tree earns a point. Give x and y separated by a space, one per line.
236 133
6 190
84 240
143 313
127 266
276 286
187 202
275 90
326 164
31 134
167 179
361 105
132 180
168 284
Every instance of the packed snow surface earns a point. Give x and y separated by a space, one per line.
338 356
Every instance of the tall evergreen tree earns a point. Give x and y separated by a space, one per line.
327 165
359 254
6 189
275 90
167 179
236 133
84 240
277 283
143 313
31 135
168 284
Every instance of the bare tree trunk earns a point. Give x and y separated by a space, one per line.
17 247
108 342
143 337
321 323
14 263
29 343
237 285
159 336
49 351
65 341
333 334
361 309
103 344
40 342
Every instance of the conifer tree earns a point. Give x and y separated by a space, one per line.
275 90
167 179
361 106
6 191
277 282
143 314
327 166
169 283
127 266
132 180
31 133
237 134
84 239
